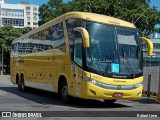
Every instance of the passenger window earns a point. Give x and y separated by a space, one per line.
78 51
56 35
70 24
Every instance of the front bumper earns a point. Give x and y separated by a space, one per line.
91 91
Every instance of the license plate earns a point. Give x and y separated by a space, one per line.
119 95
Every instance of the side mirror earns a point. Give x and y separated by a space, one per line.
150 45
85 36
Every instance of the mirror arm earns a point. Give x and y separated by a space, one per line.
150 45
84 34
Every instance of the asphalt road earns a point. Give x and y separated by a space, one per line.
48 104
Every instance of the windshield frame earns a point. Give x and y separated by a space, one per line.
111 74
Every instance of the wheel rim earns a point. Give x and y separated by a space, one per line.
64 91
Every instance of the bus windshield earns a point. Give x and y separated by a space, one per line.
113 50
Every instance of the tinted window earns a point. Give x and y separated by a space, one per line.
50 38
70 24
78 51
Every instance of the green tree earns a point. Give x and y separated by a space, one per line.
25 30
129 10
50 10
7 35
55 4
44 14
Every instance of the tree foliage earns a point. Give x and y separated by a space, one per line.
25 30
129 10
7 35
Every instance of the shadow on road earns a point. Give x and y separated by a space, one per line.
47 98
147 100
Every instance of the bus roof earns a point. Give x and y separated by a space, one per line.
99 18
83 15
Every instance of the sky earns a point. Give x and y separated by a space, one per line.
37 2
155 2
40 2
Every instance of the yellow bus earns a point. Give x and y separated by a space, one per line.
80 54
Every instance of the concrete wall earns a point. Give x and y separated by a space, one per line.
154 72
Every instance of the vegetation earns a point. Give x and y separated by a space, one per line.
129 10
7 35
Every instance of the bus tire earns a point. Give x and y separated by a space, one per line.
63 91
109 101
22 85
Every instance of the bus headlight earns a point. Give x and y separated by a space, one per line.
91 80
138 85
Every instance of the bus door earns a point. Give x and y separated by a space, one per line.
77 71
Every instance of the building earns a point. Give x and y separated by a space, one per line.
31 15
153 60
12 14
19 15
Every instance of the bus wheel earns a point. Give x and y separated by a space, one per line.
63 91
109 101
22 86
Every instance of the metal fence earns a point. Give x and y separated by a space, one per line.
151 81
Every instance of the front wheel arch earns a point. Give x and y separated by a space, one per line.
63 89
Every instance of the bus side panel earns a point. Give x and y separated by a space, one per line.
76 81
34 72
50 79
14 70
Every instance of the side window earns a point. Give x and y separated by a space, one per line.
49 38
78 51
56 35
70 24
13 50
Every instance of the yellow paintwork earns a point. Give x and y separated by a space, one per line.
85 36
116 81
102 93
150 45
46 67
